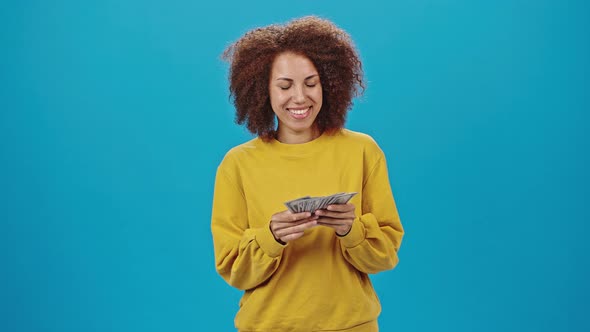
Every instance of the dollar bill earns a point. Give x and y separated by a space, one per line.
311 204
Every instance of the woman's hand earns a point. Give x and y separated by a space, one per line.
337 216
288 226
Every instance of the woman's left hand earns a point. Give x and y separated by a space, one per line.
337 216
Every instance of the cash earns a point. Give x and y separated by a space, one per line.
311 204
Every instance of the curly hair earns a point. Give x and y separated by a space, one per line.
329 48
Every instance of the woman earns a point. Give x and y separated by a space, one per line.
305 271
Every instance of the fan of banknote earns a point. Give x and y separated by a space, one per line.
311 204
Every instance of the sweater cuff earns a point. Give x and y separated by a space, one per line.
267 242
355 236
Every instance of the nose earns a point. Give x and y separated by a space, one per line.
299 95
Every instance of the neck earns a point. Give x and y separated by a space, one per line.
287 137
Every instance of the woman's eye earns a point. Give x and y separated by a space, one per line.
310 85
284 87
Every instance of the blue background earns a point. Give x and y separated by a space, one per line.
115 114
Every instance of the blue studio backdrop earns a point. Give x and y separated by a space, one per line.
115 114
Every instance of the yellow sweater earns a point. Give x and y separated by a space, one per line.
318 282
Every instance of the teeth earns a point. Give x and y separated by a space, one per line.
298 112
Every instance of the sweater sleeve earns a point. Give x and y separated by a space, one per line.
375 237
245 257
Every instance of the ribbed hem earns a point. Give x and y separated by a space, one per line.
267 242
355 236
371 326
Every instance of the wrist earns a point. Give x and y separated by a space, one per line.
346 233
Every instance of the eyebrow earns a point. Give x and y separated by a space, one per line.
290 80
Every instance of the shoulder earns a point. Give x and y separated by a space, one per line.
359 140
244 148
240 153
357 136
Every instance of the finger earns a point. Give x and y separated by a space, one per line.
277 225
340 229
341 207
285 233
288 216
333 222
295 229
330 225
334 214
291 237
334 227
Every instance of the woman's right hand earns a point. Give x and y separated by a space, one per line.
288 226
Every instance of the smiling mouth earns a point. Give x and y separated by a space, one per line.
299 112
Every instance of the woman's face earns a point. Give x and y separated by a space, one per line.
295 94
